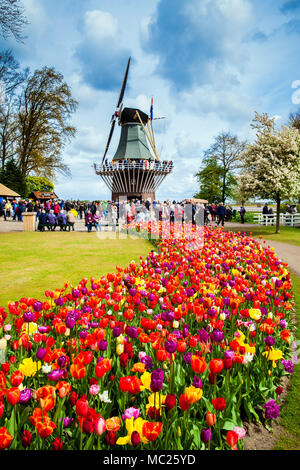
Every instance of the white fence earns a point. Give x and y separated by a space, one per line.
292 220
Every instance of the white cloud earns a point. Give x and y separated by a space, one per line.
100 25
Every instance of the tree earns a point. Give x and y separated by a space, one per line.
294 120
7 132
12 19
11 76
45 106
225 152
38 183
11 177
209 178
271 164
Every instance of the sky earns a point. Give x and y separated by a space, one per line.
208 64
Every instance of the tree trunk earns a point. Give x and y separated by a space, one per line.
278 214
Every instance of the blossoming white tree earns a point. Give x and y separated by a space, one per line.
271 164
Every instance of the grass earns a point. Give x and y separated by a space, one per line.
289 235
32 262
289 438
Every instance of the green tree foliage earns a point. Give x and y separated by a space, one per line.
271 164
38 183
210 181
12 177
221 160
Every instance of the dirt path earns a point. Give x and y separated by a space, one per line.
288 253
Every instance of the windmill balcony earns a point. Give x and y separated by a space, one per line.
111 167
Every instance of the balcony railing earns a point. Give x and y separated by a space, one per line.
165 167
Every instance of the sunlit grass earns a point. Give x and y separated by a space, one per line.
32 262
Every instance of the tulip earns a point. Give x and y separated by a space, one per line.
210 419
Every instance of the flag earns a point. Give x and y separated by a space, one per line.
151 110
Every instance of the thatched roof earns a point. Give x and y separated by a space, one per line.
4 191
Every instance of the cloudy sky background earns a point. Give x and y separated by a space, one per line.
209 64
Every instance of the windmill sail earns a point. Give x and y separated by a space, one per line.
115 115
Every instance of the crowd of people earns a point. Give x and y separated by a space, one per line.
149 164
62 214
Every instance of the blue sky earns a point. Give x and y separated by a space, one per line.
209 64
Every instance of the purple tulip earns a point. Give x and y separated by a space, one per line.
62 361
25 395
102 345
203 335
132 332
40 354
37 306
116 331
197 382
60 301
170 346
272 410
218 336
206 434
29 316
43 329
75 293
56 374
157 378
83 334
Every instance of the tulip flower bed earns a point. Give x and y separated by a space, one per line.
174 352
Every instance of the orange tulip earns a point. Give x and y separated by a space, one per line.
13 395
63 389
45 428
198 364
113 424
5 438
77 370
151 431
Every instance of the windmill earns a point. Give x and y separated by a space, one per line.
135 171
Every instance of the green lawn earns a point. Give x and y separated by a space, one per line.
289 439
289 235
32 262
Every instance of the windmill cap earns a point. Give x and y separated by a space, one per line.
130 115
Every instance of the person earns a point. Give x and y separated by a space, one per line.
62 221
51 221
212 209
2 210
220 212
29 206
89 220
242 212
8 209
71 219
56 209
42 218
265 209
19 211
206 215
97 221
228 215
265 212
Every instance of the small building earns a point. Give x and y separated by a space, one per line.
42 196
6 193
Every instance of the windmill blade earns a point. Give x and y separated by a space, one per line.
124 84
118 110
109 139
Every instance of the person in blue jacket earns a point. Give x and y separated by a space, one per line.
221 211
